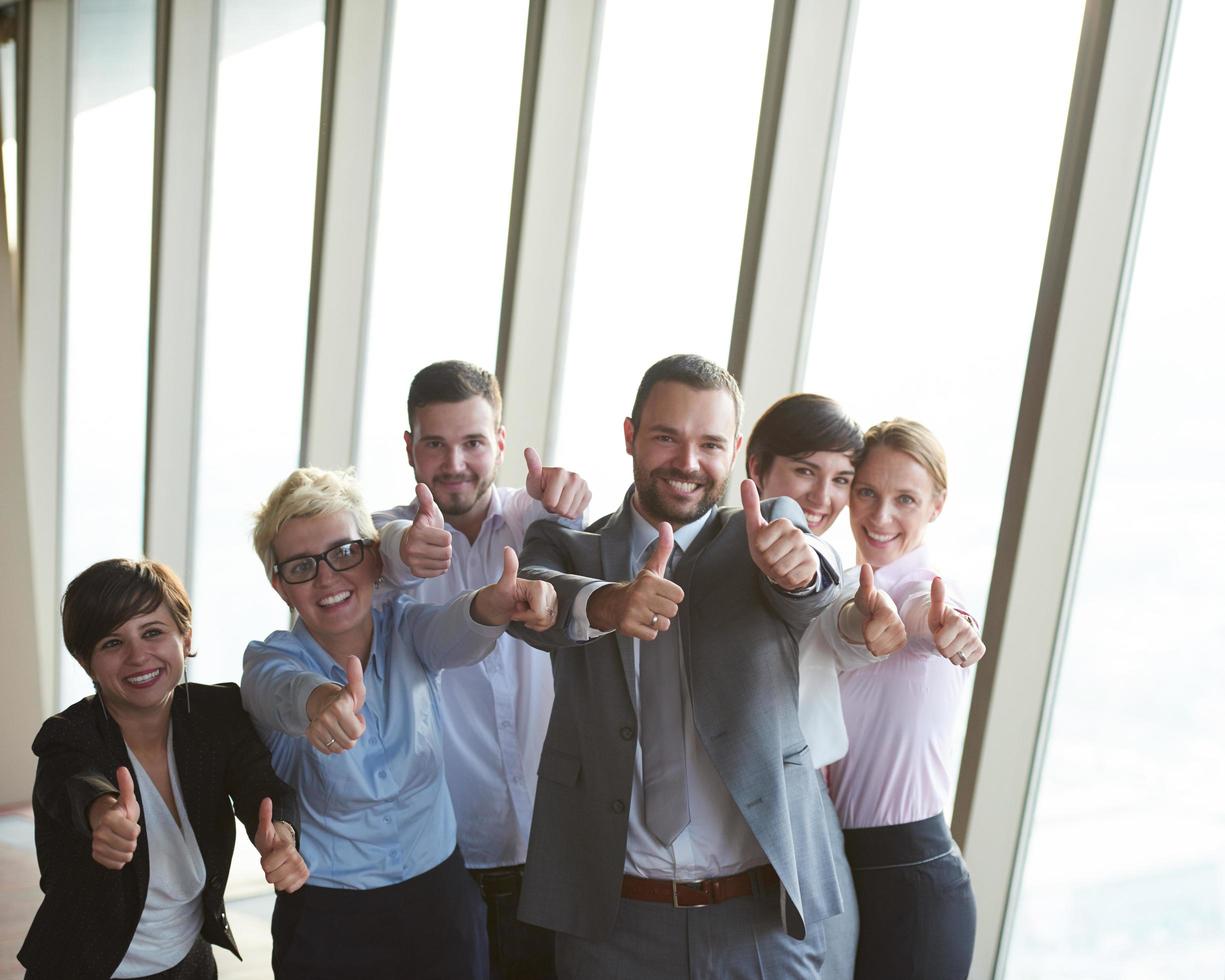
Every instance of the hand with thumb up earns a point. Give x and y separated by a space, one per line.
116 823
953 634
426 546
335 712
779 548
283 866
515 600
645 607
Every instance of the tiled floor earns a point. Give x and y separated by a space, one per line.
248 901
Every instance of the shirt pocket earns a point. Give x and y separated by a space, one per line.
559 767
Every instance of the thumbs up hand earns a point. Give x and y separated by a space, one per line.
883 630
336 722
954 636
563 493
426 546
116 824
644 607
779 548
515 600
283 866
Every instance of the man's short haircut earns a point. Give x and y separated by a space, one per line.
691 370
799 425
454 381
109 593
309 492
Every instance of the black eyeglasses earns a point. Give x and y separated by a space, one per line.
295 571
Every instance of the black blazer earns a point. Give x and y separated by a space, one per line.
89 913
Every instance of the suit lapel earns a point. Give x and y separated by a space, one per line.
615 567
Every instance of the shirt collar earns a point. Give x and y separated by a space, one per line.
889 575
326 662
643 534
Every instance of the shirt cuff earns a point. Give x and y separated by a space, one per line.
295 695
579 627
821 581
396 573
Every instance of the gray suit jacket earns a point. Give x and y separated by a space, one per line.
740 634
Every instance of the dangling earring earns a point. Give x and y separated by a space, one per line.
98 695
187 690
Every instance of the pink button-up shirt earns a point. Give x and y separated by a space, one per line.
901 713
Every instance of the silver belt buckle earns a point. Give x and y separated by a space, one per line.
696 885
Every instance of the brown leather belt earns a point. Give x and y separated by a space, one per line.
697 894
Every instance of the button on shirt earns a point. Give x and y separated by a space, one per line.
717 841
380 813
901 713
495 713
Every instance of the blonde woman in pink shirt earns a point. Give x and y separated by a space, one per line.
892 775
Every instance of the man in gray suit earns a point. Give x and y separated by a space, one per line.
679 829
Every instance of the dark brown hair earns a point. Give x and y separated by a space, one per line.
798 426
691 370
109 593
454 381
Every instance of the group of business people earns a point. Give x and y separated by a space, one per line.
432 797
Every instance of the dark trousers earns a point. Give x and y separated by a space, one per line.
431 927
916 908
517 950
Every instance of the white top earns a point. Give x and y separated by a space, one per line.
901 713
173 914
495 713
824 654
717 841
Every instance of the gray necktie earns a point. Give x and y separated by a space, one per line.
661 707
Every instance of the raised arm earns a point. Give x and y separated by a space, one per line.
551 554
939 624
799 571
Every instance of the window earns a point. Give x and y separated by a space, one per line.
444 208
947 161
265 151
1125 870
673 134
106 330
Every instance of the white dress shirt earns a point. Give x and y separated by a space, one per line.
717 841
173 914
495 713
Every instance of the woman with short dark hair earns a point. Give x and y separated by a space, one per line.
136 792
889 760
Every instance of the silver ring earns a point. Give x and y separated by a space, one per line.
654 618
328 744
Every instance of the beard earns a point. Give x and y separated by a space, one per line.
657 507
457 503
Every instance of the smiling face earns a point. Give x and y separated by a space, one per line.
137 664
334 606
683 451
820 483
893 499
455 448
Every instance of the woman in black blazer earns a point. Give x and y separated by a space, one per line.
136 791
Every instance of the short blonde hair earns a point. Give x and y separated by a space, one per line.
914 440
309 492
